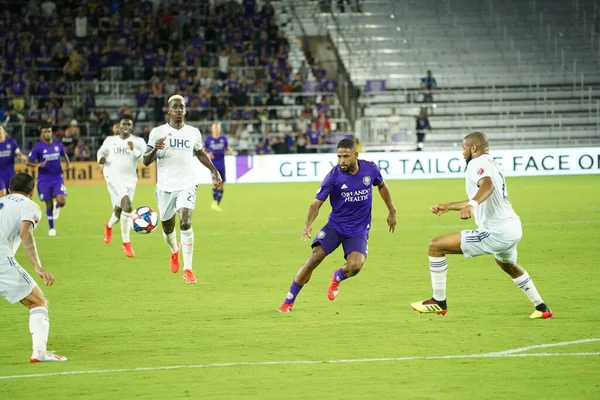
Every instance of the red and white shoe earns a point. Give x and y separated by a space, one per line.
188 276
128 250
107 233
175 260
285 307
334 288
48 356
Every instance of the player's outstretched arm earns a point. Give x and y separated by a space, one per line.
205 160
486 188
150 154
386 195
28 241
313 212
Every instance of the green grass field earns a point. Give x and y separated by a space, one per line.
142 333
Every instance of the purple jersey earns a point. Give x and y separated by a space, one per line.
217 147
351 198
8 150
51 153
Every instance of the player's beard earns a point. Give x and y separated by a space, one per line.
351 167
469 158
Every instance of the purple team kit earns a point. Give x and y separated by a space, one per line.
50 176
8 150
218 146
351 198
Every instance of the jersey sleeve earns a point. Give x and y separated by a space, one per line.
326 187
198 145
62 149
31 212
152 138
33 155
103 150
377 178
140 146
478 169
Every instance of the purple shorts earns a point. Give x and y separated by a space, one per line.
329 239
222 172
4 180
48 190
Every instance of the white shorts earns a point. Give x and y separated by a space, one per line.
502 243
171 202
15 282
119 190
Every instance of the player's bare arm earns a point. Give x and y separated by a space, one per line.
28 242
150 154
66 158
443 208
386 195
35 164
228 151
313 212
205 160
486 188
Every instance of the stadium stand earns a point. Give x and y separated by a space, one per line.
80 65
525 72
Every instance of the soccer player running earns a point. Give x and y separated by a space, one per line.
349 188
118 158
215 147
175 145
46 155
9 149
498 229
19 216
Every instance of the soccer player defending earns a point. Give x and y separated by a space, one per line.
118 158
46 155
215 147
8 150
19 216
498 233
349 188
174 145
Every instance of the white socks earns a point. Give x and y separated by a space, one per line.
39 326
525 283
113 220
187 244
171 240
438 267
125 226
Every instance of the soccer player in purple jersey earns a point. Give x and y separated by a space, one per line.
46 155
9 149
216 146
349 187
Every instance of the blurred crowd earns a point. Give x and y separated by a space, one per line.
229 59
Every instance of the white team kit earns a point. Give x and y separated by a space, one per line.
177 179
15 282
120 169
498 226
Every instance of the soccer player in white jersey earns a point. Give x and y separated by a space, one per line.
498 230
174 145
19 216
118 158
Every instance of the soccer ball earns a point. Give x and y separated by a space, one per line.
144 219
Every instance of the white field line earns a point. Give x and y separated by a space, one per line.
201 232
502 354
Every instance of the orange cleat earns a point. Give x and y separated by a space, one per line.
175 260
285 307
128 250
107 233
334 289
188 276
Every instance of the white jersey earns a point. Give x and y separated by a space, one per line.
496 208
15 208
121 161
175 162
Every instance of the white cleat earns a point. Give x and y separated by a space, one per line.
48 356
56 212
52 232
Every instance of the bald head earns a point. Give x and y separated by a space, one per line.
479 140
